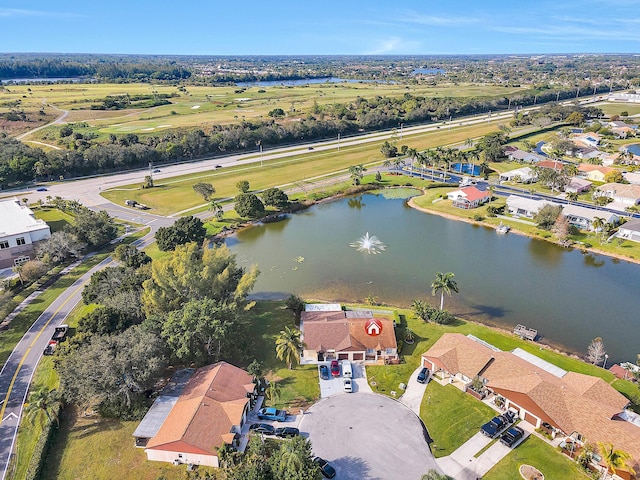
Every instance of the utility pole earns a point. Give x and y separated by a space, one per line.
558 95
260 154
338 142
401 131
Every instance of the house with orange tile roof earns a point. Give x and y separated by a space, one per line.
210 411
573 404
595 173
468 197
347 335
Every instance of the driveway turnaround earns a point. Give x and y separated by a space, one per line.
366 435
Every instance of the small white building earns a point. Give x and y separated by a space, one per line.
632 177
630 230
583 217
520 175
525 157
20 231
622 194
525 207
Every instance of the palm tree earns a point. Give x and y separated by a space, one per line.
444 283
357 172
289 345
597 223
421 309
572 196
273 392
615 459
217 208
46 401
412 155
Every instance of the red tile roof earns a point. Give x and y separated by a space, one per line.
212 402
472 193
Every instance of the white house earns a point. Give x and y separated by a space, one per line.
630 230
632 177
522 175
525 157
589 139
577 185
583 217
468 197
525 207
19 232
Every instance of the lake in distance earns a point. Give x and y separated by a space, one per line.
570 297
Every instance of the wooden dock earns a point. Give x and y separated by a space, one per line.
525 333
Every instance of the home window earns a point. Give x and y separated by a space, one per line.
20 241
4 244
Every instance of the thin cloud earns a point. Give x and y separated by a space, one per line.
20 12
436 20
394 45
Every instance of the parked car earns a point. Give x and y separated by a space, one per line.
51 347
327 470
324 372
347 385
335 368
270 413
347 369
422 376
60 333
511 436
284 432
310 148
493 427
262 428
41 189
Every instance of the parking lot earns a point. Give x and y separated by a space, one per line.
366 435
334 385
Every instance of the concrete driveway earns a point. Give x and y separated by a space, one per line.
333 386
413 394
366 435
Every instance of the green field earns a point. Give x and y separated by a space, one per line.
56 219
176 194
618 108
205 105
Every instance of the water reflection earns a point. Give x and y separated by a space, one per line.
546 252
593 261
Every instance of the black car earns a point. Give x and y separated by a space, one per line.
218 166
324 372
262 428
284 432
422 376
491 429
327 470
511 436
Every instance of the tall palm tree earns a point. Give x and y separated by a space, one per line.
444 283
217 209
412 155
45 401
289 345
572 196
357 172
615 459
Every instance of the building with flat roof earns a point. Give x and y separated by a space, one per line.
20 231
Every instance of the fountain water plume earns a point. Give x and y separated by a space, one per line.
369 244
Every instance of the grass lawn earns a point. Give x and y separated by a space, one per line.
56 219
176 194
539 454
299 386
451 417
617 108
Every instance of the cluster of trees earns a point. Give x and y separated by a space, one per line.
183 308
121 102
184 230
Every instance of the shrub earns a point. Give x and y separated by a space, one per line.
478 218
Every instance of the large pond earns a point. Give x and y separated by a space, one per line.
568 296
634 148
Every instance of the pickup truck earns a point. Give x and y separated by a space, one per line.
60 333
270 413
492 428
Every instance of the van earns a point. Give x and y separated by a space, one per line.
346 369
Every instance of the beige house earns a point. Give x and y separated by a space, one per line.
621 193
209 411
595 173
571 403
347 335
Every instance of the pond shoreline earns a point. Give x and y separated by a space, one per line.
515 230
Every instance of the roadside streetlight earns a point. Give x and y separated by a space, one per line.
606 357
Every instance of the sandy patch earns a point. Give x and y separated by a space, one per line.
148 129
243 99
195 107
163 126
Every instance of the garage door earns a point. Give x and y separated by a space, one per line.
530 418
358 356
343 356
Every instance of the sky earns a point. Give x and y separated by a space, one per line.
320 27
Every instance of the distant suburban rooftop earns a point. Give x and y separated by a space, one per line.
16 218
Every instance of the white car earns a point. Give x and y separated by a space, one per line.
347 384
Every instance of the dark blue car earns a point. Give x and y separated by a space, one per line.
491 429
422 376
511 436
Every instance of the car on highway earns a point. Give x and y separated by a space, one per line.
270 413
511 436
335 368
422 376
41 189
309 148
347 385
324 372
157 170
264 428
218 166
284 432
327 470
